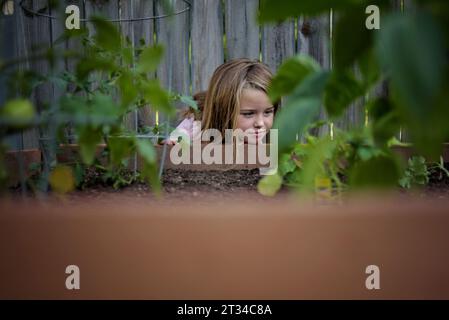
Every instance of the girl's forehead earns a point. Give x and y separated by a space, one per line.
254 98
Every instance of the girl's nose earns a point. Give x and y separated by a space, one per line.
258 123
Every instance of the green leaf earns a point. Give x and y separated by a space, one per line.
384 129
313 166
106 36
405 182
411 50
90 64
291 73
70 34
120 148
395 142
369 68
416 173
149 171
269 185
293 118
88 139
128 89
17 112
128 55
150 58
146 151
189 101
341 89
378 172
300 109
157 96
103 109
352 39
286 164
365 153
61 179
79 175
384 120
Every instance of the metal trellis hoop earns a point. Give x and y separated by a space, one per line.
38 14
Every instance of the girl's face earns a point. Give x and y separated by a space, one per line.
256 115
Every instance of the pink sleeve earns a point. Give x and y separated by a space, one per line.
184 128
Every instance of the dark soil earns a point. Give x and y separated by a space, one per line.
176 185
182 185
211 186
175 180
438 184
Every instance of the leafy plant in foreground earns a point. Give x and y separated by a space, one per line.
111 80
408 54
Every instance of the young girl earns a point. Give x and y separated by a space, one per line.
236 99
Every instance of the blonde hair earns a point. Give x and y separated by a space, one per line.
222 101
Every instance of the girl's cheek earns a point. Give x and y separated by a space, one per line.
269 122
242 123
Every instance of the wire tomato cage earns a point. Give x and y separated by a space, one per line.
133 19
25 6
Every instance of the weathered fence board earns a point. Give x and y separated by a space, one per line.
57 27
354 116
174 72
8 50
314 40
127 12
278 43
107 9
138 33
206 41
24 39
242 30
143 31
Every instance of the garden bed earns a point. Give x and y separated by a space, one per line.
234 250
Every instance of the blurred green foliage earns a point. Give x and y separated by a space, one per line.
409 54
112 79
416 173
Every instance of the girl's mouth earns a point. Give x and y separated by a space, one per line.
259 135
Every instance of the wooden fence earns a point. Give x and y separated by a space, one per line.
196 42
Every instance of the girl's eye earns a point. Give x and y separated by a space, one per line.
268 112
247 114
